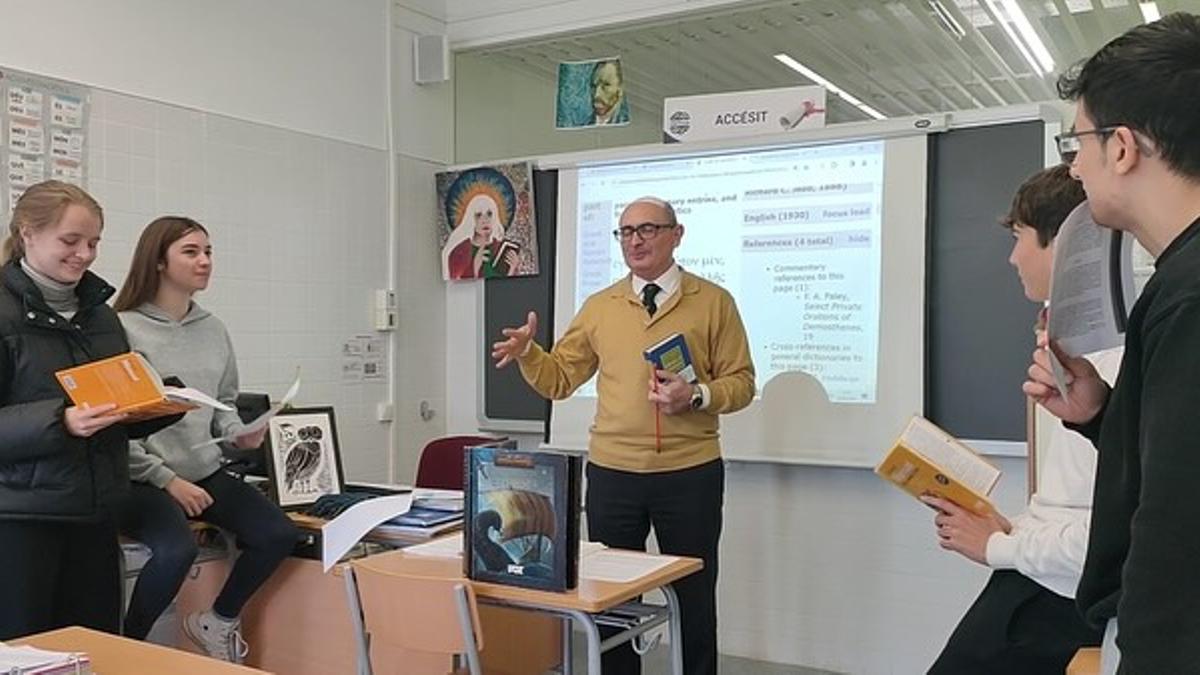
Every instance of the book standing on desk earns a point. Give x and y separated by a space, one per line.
522 518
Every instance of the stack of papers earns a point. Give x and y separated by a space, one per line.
620 566
442 547
432 512
597 562
27 660
438 500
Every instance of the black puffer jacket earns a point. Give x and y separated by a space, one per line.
46 473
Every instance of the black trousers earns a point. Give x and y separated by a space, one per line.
54 575
684 508
1015 626
264 534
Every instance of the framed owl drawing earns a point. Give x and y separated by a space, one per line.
303 458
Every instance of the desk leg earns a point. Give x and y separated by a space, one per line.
363 648
568 651
676 623
588 622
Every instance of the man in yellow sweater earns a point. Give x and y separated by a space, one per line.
654 458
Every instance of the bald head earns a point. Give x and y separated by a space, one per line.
665 210
651 233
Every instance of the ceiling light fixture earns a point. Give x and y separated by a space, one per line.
815 77
947 20
1025 38
1149 11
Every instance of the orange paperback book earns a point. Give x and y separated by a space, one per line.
928 460
129 381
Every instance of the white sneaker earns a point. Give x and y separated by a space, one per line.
218 638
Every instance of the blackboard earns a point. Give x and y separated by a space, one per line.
978 323
979 326
506 303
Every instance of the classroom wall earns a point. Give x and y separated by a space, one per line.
266 121
422 117
297 224
310 65
502 112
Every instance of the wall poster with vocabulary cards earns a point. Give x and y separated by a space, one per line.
43 134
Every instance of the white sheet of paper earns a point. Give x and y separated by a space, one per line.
18 658
450 546
341 534
620 566
190 395
1092 289
259 422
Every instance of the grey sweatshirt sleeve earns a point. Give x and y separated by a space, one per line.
223 421
147 467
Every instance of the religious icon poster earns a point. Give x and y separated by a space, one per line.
486 227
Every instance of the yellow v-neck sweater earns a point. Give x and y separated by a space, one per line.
610 334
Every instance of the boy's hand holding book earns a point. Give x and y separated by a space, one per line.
964 532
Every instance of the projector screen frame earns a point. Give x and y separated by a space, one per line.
1050 114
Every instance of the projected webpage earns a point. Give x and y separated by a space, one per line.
793 234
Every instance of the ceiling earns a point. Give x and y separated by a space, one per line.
901 57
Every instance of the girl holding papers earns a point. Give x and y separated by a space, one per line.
177 473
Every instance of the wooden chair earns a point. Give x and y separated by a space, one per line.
435 615
441 464
1085 662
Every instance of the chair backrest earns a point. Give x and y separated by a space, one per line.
441 464
423 614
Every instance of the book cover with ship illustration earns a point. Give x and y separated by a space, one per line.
522 518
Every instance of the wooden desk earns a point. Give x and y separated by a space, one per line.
582 604
298 623
113 655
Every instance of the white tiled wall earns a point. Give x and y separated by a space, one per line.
299 226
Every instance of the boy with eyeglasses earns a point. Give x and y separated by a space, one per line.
654 458
1136 149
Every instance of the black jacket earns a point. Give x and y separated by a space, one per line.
46 473
1143 549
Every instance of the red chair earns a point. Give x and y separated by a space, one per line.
441 464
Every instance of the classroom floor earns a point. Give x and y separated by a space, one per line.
657 662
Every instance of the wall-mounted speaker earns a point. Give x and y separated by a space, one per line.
431 59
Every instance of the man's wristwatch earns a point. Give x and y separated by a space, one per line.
697 397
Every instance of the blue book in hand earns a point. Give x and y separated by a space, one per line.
672 354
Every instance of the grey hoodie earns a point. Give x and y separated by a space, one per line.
198 351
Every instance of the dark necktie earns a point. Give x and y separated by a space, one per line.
648 293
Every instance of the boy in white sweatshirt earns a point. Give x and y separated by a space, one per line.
1025 619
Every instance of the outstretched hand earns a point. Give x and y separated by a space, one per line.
516 341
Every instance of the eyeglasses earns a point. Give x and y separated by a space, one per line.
646 231
1068 143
